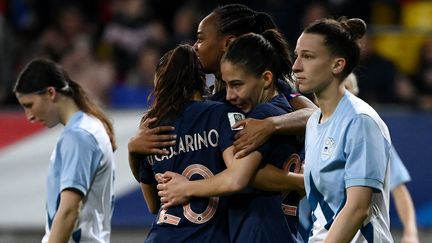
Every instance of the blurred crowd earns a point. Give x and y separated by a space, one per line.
111 47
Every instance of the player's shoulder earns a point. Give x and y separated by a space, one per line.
357 114
352 108
82 129
220 111
275 107
77 137
217 106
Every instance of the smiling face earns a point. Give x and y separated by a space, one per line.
244 90
210 44
313 66
39 108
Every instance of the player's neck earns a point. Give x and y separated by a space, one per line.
197 96
328 101
67 107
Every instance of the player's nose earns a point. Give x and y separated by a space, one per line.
29 115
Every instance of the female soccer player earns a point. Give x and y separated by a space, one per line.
81 171
347 144
250 76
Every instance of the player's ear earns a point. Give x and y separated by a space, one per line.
52 93
338 65
227 41
267 78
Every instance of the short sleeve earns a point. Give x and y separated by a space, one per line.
80 156
367 154
261 112
146 174
398 172
227 119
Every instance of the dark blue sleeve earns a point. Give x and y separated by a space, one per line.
146 174
261 112
226 132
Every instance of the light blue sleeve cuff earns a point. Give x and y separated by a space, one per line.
71 184
373 183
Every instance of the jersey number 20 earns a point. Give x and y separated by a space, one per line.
194 217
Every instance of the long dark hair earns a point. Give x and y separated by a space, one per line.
341 38
258 53
178 75
39 74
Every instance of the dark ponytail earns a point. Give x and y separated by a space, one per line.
178 76
283 52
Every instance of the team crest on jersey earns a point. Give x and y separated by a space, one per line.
328 148
234 117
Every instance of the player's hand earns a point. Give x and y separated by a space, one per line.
254 134
150 140
172 191
161 179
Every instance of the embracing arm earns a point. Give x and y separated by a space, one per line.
148 141
406 213
295 122
351 217
233 179
257 132
66 216
271 178
150 197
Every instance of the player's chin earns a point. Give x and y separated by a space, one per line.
245 108
48 125
303 88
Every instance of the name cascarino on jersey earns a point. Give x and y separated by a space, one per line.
189 143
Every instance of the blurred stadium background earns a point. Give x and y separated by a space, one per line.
111 47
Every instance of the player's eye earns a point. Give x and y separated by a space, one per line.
27 105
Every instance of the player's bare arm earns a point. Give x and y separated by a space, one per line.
233 179
257 132
271 178
351 217
148 141
66 216
151 198
406 212
151 140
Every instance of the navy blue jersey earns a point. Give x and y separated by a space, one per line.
255 215
283 87
203 133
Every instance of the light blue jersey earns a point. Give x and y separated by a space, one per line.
398 172
351 148
83 160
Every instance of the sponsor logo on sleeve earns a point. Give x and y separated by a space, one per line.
234 117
